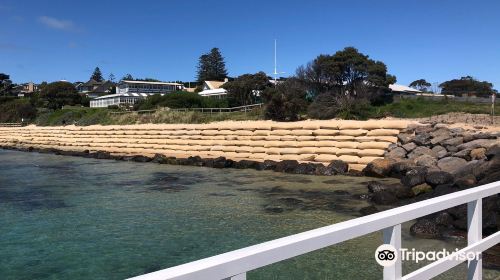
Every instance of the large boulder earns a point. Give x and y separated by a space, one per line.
414 177
405 138
409 147
440 151
398 190
268 165
422 139
440 135
492 151
399 168
478 143
398 152
451 164
478 153
418 151
427 161
465 154
247 164
379 168
435 178
338 167
287 166
455 141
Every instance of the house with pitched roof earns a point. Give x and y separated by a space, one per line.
213 89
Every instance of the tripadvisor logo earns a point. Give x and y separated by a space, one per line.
386 255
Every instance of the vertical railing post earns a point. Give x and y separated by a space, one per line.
242 276
392 236
475 234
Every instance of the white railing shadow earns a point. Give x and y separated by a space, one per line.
234 265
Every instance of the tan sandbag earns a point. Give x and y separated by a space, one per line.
344 138
347 145
307 150
325 132
258 138
258 156
272 138
371 153
305 138
353 132
302 132
243 132
306 157
344 151
210 132
243 149
256 150
349 159
229 148
272 157
330 124
261 132
373 145
280 132
350 124
325 158
356 166
326 150
325 138
367 160
383 132
288 138
285 125
273 151
307 143
286 151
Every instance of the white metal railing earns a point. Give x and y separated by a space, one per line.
234 265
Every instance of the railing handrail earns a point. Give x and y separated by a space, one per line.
240 261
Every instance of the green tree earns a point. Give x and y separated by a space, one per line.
111 77
128 77
58 94
97 75
5 84
343 80
211 66
467 86
285 101
420 84
246 89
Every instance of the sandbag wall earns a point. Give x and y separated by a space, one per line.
355 142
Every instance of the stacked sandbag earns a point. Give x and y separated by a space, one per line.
355 142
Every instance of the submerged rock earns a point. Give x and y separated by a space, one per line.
425 228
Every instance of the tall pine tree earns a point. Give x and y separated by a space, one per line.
97 75
211 66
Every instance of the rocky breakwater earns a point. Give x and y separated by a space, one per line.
433 160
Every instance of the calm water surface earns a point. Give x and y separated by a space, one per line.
76 218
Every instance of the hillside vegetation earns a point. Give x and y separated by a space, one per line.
405 108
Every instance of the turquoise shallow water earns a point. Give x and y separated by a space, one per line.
76 218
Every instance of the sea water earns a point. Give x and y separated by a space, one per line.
67 217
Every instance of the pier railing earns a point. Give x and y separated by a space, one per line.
234 265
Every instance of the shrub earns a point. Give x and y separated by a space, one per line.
58 94
285 102
17 109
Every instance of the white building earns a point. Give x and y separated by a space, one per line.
402 89
213 89
146 87
130 92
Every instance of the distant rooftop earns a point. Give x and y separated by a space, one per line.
402 88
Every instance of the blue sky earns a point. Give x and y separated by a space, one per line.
435 40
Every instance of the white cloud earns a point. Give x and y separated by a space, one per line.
55 23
